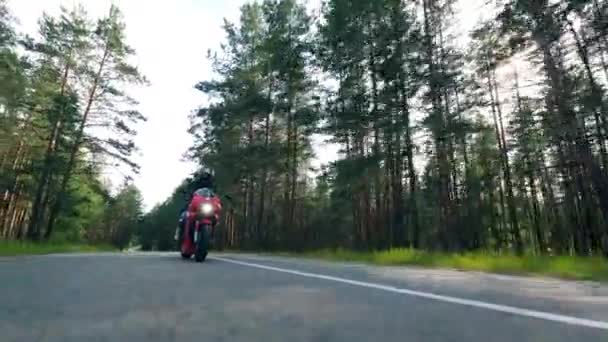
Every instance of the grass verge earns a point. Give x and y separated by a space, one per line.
565 267
13 248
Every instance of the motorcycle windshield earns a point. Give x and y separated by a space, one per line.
204 192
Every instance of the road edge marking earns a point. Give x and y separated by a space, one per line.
571 320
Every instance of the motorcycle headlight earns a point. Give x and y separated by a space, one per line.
207 209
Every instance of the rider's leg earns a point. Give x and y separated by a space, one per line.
180 227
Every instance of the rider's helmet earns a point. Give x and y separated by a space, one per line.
204 180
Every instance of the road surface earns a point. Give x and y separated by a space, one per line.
158 297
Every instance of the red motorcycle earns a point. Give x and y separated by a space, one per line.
202 216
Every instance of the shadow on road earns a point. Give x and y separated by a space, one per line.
171 257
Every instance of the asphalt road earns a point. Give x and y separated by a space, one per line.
158 297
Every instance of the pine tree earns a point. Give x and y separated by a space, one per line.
108 72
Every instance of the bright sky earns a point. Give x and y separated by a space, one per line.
171 40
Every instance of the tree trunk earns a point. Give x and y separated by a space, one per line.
378 221
287 187
439 130
399 235
41 197
262 199
531 181
519 247
598 100
494 229
499 132
10 195
414 239
571 133
294 173
603 42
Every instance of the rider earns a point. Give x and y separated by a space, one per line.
205 180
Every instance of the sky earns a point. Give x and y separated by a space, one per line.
171 39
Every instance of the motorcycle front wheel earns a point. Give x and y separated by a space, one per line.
202 245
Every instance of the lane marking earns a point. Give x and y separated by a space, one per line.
455 300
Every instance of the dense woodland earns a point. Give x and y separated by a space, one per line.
493 139
64 119
489 140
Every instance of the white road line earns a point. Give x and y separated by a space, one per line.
468 302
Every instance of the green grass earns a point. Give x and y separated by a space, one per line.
566 267
13 248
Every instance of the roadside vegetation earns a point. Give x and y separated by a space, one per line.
565 267
14 248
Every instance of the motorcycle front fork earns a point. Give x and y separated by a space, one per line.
177 233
